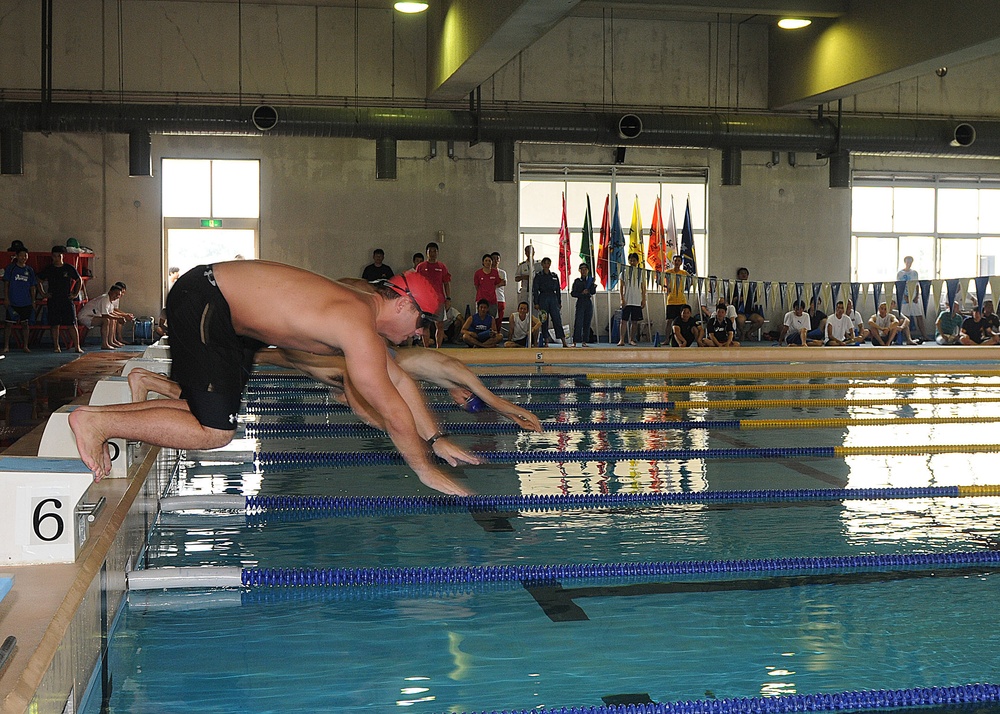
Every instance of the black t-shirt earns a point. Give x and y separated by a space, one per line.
816 319
686 327
377 272
975 330
720 328
61 280
992 320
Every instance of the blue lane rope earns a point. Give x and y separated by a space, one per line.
376 505
320 389
396 576
858 700
384 458
259 407
256 430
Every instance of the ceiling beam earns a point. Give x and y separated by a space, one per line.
877 44
468 41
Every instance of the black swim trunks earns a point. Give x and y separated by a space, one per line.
211 363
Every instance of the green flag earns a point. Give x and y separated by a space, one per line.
587 243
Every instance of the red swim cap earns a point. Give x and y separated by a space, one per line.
419 288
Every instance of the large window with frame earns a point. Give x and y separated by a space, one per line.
949 224
541 188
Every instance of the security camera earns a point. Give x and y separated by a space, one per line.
941 71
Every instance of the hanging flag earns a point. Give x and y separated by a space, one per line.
603 253
670 238
925 292
635 234
687 242
564 250
587 240
657 250
981 282
616 252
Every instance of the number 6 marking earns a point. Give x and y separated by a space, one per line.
37 517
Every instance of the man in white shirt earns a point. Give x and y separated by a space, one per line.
633 296
100 311
883 326
859 324
795 327
525 271
501 298
840 328
519 321
911 309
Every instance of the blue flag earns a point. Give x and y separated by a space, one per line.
687 242
617 253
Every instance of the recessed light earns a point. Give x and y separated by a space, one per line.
411 7
793 23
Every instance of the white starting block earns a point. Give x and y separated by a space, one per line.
156 351
58 442
43 518
160 366
115 390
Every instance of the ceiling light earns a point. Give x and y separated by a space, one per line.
411 7
793 23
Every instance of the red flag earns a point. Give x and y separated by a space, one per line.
655 256
602 251
565 252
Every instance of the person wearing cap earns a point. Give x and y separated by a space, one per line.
20 294
216 328
63 284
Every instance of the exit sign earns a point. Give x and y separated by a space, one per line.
211 223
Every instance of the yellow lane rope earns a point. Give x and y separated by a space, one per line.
912 450
801 387
984 490
796 374
765 403
757 424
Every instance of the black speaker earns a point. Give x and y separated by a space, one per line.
385 159
11 152
140 153
620 155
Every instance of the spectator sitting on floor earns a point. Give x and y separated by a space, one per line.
749 315
904 326
883 326
817 320
795 327
990 317
948 327
976 331
98 312
685 330
518 332
480 329
860 331
840 328
720 331
452 323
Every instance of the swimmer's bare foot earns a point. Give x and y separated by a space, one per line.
107 347
90 443
57 349
79 350
25 348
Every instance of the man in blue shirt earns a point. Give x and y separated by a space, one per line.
19 295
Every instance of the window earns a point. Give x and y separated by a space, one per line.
541 189
211 211
947 223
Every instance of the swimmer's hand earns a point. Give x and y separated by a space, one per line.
453 453
522 417
440 481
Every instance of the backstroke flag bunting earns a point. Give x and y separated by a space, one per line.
687 242
616 253
635 234
587 240
603 252
564 249
656 256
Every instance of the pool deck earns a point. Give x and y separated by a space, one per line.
56 611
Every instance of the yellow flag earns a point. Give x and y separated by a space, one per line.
635 234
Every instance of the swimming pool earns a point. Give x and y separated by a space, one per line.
591 640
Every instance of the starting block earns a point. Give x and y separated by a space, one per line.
58 442
115 390
160 366
43 517
156 351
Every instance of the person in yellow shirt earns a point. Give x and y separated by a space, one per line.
674 283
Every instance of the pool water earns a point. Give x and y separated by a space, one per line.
517 646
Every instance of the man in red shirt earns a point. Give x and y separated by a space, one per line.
487 279
437 273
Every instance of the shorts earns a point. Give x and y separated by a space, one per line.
61 312
211 363
19 313
674 311
632 312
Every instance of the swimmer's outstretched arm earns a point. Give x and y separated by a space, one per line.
437 367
